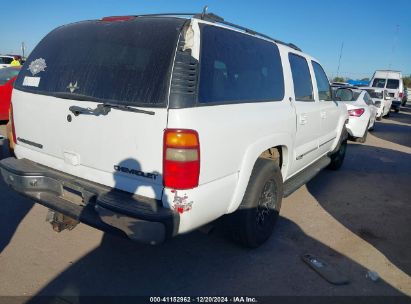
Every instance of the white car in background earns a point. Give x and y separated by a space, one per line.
382 100
392 81
361 110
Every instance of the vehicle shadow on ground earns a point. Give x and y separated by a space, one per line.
403 117
370 196
396 133
199 264
406 108
11 214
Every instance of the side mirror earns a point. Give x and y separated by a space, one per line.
344 94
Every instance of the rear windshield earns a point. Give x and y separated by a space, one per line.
393 83
347 95
125 62
7 73
378 83
375 94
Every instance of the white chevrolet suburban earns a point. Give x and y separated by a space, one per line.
156 125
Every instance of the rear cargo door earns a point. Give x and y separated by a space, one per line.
92 101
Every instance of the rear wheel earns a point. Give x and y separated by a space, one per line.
337 158
253 223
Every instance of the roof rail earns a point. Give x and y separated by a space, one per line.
217 19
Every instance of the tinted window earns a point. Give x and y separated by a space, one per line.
323 84
378 83
347 94
123 62
303 88
7 73
393 83
236 67
6 60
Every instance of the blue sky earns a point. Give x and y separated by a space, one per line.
376 34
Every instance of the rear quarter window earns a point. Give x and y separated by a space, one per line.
238 68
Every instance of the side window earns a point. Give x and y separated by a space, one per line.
367 99
323 85
303 87
237 68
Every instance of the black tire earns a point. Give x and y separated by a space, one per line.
253 223
379 118
337 158
397 110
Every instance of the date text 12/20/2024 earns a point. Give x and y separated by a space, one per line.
203 300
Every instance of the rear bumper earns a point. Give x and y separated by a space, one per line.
396 104
140 218
357 126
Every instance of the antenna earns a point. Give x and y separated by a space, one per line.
339 59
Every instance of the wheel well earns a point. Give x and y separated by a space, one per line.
275 154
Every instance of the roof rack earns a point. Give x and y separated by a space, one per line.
217 19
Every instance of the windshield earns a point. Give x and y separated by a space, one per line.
7 73
375 94
125 62
378 83
6 60
393 83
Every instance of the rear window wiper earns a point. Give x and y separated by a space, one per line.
105 108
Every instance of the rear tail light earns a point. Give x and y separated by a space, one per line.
181 159
401 94
13 129
356 112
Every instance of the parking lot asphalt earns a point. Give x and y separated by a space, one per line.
356 219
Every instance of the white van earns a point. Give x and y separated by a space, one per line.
392 81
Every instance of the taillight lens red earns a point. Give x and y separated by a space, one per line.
181 159
13 129
356 112
401 94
